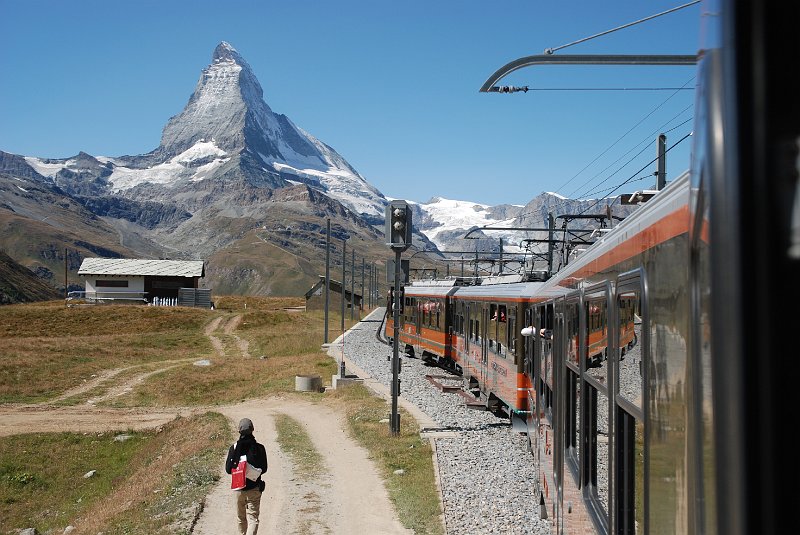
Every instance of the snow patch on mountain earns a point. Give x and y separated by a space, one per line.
449 215
47 169
174 170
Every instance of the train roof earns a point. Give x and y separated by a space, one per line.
436 288
669 200
514 291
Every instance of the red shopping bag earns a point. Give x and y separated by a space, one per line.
238 474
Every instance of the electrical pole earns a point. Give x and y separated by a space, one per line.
327 276
344 280
363 267
66 274
661 174
344 265
352 284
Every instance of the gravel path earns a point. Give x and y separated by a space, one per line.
486 474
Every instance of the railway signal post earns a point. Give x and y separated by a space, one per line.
398 235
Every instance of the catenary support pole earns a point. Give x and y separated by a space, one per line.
327 277
352 284
344 291
363 268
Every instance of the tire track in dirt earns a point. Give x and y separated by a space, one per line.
128 386
228 330
216 342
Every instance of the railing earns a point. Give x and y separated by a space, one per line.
107 296
190 297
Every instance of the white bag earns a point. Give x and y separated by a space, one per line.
252 472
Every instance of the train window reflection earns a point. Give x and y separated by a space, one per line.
629 367
572 419
573 329
596 334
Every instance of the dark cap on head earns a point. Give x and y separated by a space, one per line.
245 425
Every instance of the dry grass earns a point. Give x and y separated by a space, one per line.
293 439
152 482
54 319
46 349
240 303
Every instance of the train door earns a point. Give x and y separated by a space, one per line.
419 312
573 341
631 341
560 343
484 348
542 359
596 415
529 366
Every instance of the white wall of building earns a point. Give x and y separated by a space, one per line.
135 284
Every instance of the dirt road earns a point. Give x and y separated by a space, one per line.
348 498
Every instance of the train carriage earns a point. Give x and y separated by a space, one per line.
488 344
426 322
588 430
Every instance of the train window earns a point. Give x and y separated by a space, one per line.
597 447
547 352
572 419
475 313
596 402
572 328
502 330
596 335
629 474
511 335
629 368
543 351
571 379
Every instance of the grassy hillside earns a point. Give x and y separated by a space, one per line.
288 263
44 230
18 284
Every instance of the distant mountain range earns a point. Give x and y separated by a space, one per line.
231 182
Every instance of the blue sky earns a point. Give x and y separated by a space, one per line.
391 86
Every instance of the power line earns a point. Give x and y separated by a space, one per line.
552 50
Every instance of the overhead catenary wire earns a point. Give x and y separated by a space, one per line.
636 173
620 138
635 176
552 50
643 143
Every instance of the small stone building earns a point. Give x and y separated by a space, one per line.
315 297
147 281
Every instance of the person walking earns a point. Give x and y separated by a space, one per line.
248 499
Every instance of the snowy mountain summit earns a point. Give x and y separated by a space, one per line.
227 132
227 115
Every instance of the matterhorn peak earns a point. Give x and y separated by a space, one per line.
228 107
226 52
